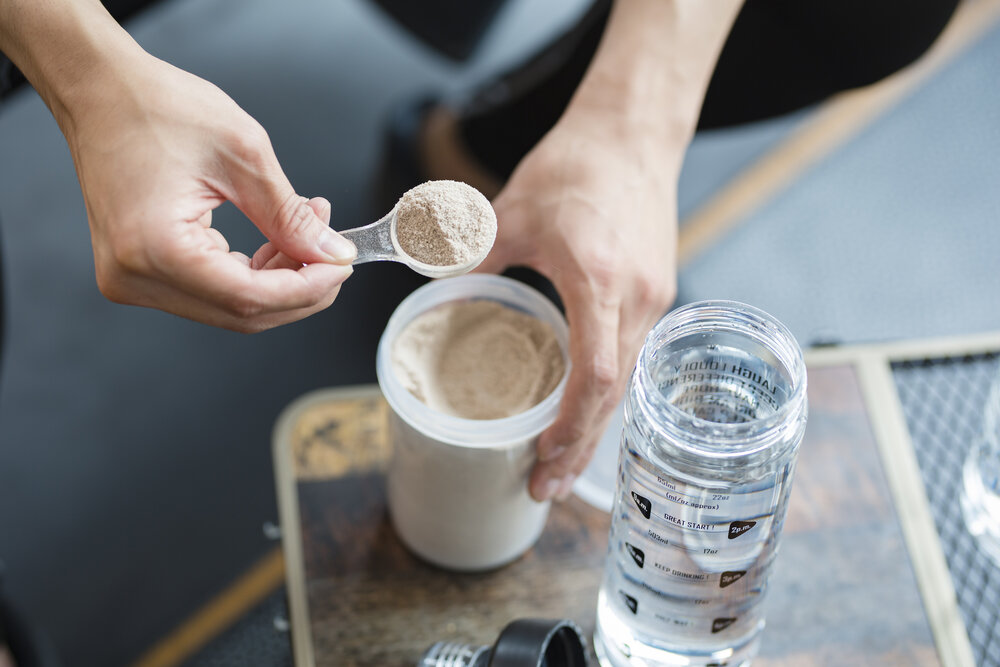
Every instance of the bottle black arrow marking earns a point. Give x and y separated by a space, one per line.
737 528
636 553
643 504
720 624
629 601
727 578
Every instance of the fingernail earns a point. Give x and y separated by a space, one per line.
552 453
565 487
550 488
336 247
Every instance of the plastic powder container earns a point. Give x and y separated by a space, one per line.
458 488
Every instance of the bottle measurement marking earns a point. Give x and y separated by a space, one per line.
733 528
643 600
650 477
667 569
690 607
691 525
678 496
653 535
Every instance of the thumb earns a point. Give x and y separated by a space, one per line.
285 218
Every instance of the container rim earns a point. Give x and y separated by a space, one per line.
458 431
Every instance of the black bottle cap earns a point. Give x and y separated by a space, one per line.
538 642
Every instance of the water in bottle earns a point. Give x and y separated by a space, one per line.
714 415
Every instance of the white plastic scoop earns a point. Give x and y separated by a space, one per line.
442 221
378 242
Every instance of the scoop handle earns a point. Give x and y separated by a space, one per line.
374 241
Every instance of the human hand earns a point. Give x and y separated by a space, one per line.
156 151
596 213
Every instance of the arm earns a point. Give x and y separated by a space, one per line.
156 150
593 207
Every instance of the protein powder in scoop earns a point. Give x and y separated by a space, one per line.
445 223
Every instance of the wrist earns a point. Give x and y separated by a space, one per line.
67 49
652 140
650 73
601 138
627 110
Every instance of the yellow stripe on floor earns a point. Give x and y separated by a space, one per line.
833 124
219 614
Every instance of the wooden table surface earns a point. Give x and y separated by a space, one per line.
843 592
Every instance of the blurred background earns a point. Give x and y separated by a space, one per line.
135 467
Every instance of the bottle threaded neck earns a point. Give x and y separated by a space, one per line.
720 379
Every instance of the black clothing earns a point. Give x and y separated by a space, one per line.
781 56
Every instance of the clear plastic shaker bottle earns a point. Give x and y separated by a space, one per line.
714 414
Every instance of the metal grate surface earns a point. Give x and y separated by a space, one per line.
943 400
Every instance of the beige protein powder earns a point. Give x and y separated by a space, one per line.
445 223
478 359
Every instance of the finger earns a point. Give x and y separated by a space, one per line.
571 463
263 255
269 257
261 190
232 286
282 261
240 257
554 479
217 238
168 298
205 220
636 317
287 288
322 208
591 393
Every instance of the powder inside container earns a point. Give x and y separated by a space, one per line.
445 223
478 359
